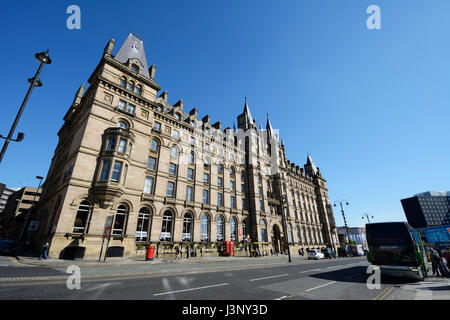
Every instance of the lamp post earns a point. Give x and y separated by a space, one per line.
367 217
283 201
43 58
29 210
343 216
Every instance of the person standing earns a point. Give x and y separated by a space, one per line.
44 251
435 262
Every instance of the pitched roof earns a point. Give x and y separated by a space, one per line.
133 47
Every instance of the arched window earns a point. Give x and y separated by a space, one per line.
220 168
174 152
138 90
123 82
143 225
83 215
135 68
233 230
166 228
219 228
192 158
130 86
187 227
120 220
122 124
263 231
154 145
204 236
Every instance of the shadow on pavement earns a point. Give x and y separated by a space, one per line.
358 275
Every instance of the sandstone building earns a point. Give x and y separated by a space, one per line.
167 178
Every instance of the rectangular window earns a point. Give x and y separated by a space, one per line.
172 168
122 105
124 175
233 202
260 191
111 144
176 134
151 165
207 147
205 196
219 182
242 188
192 141
157 126
148 187
122 146
131 108
232 185
244 204
261 205
205 178
220 199
170 189
105 170
190 174
189 193
116 171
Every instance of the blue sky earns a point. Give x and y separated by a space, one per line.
370 106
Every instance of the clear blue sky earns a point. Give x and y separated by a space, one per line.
370 106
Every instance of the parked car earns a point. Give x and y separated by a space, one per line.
328 253
344 252
315 254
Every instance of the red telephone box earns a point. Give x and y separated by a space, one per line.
229 248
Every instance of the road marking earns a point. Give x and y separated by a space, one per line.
326 284
383 293
309 270
334 267
198 288
280 275
281 298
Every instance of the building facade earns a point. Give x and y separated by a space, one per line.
356 234
166 178
427 209
16 210
5 192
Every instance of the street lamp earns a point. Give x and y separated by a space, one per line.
343 216
367 217
43 59
30 209
283 201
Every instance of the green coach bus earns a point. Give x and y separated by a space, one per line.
397 249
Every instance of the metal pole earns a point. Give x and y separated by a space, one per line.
345 223
367 216
22 107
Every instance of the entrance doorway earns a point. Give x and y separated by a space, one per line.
276 239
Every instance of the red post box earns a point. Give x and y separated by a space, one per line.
150 253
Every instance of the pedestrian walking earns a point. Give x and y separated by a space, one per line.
443 266
44 251
435 262
177 253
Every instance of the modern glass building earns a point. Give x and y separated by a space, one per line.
427 209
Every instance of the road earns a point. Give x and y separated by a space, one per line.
336 279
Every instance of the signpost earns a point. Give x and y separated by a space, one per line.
106 235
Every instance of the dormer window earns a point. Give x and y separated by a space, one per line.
177 116
135 68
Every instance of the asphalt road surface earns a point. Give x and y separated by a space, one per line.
326 279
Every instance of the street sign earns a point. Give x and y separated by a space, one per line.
33 226
108 226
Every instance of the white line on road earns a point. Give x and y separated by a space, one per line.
280 275
281 298
320 286
334 267
309 270
198 288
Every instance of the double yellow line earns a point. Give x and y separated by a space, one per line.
383 294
